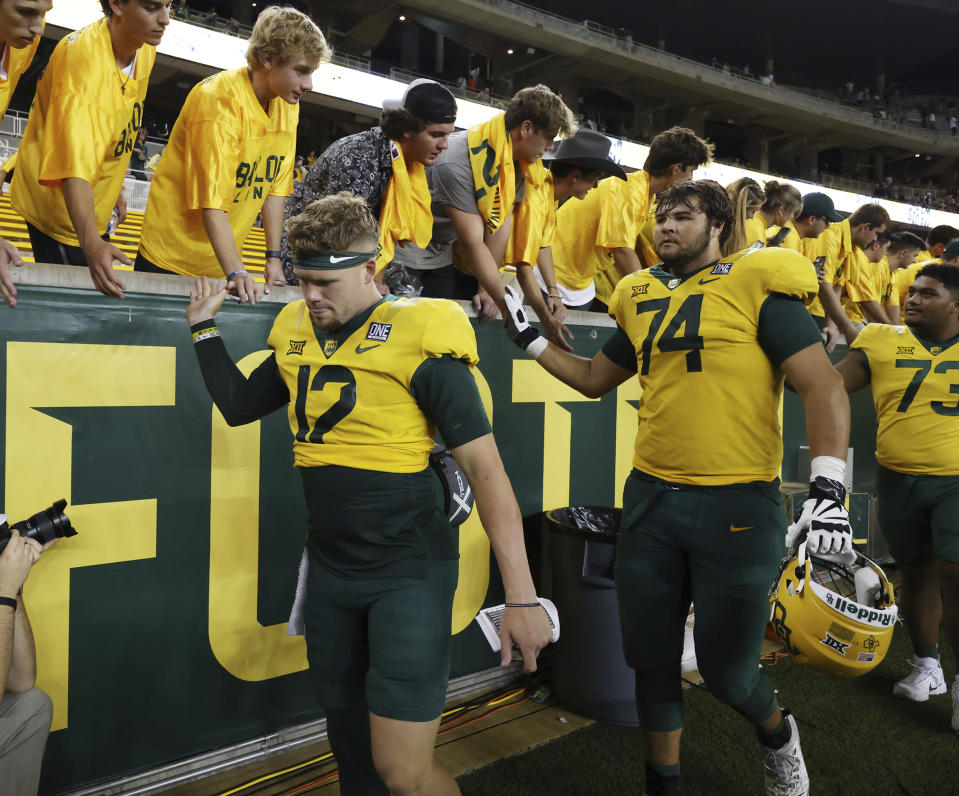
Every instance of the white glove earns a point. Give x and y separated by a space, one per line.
824 519
518 327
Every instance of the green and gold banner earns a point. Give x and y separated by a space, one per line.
161 626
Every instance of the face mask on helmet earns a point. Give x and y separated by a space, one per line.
833 617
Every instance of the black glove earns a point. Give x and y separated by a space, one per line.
824 518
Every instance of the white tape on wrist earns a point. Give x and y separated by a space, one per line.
828 467
537 347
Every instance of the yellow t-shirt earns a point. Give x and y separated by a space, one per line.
755 230
904 277
915 389
793 242
83 124
889 297
830 252
863 283
351 403
644 244
15 64
710 407
587 231
225 153
534 222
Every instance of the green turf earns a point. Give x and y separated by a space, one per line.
857 739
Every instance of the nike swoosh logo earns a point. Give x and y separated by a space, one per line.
735 528
338 259
701 281
360 349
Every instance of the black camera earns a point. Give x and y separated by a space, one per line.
44 526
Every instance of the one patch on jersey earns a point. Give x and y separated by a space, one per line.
722 268
329 347
379 331
905 349
936 349
296 347
673 283
640 290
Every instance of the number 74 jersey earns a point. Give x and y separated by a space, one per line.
915 388
709 413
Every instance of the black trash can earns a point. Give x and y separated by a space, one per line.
590 674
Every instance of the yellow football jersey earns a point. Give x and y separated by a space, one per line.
350 391
609 217
225 153
15 63
83 123
710 407
915 388
904 277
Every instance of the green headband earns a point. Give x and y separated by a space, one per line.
332 261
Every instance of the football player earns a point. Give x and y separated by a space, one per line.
711 341
21 24
82 128
911 371
231 156
382 557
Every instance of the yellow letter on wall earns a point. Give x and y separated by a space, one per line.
244 647
39 460
532 384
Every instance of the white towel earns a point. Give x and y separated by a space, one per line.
296 625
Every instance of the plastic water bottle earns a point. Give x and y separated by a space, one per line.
114 221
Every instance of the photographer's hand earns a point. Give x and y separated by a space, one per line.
19 555
206 298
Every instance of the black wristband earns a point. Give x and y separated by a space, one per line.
9 601
525 337
524 605
823 487
271 253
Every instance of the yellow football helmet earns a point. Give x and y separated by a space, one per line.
833 617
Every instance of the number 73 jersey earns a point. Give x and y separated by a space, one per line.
709 413
915 388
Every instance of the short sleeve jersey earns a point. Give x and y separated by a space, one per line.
793 242
830 251
904 277
83 124
351 401
587 231
709 413
225 153
863 283
915 389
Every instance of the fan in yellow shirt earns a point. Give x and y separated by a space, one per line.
902 251
231 156
21 23
82 127
596 238
833 255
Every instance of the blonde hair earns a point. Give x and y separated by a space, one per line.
332 224
285 33
543 108
747 197
784 195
